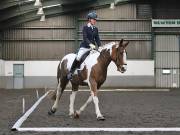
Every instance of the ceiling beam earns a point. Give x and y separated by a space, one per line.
23 17
23 9
26 7
11 3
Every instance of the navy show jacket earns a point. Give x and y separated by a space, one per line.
90 36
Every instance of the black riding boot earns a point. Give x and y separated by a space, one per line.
73 68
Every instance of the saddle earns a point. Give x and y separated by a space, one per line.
84 57
80 74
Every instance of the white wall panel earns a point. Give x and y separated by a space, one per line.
49 68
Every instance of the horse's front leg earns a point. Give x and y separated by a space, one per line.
78 112
71 104
75 88
93 87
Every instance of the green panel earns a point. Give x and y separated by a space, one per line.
18 70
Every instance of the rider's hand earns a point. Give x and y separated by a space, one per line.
100 48
92 46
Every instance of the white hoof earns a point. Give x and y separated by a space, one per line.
71 114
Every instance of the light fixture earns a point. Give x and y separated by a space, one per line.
112 5
56 5
40 11
42 18
38 3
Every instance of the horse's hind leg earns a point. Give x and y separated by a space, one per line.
63 82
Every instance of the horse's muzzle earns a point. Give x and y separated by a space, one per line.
123 68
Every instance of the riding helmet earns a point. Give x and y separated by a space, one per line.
92 15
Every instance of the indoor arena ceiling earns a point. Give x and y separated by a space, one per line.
14 12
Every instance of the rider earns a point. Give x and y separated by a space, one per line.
90 37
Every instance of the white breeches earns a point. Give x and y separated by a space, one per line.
81 52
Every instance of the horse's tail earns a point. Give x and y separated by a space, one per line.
61 79
58 73
52 93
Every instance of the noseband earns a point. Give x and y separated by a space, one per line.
117 60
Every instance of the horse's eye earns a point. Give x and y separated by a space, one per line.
121 52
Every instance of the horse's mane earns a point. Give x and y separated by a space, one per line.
104 47
107 46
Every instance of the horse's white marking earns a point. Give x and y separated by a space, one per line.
125 60
96 103
70 57
124 57
85 105
90 61
71 104
109 46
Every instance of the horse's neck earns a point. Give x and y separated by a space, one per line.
105 53
104 59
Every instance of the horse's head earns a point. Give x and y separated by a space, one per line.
119 55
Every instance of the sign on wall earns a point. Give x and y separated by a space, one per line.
165 22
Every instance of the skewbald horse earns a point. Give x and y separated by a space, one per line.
93 72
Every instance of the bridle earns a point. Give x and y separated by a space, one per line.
117 60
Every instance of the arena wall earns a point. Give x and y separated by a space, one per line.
39 74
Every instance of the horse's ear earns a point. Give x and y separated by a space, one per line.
120 43
125 44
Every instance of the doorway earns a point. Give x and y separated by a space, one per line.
18 76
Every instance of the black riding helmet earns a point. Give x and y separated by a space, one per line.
92 15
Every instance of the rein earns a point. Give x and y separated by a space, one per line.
100 52
95 50
117 61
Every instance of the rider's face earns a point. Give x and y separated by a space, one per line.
93 21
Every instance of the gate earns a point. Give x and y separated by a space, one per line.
167 59
18 76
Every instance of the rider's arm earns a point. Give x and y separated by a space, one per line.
98 39
85 38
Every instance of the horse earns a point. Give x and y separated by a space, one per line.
92 72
